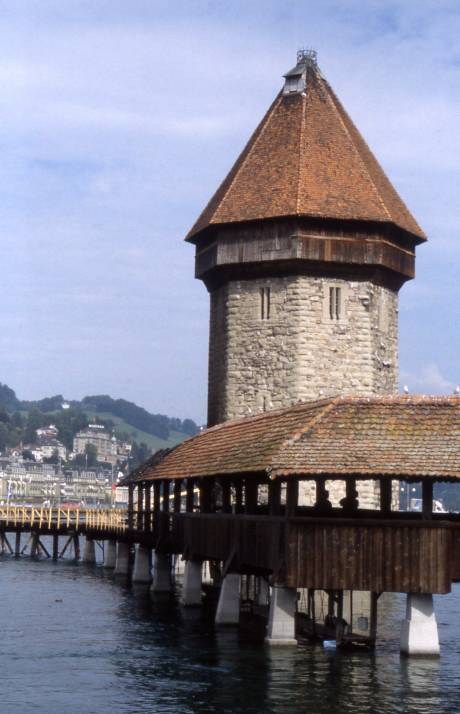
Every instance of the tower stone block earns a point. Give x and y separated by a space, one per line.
301 350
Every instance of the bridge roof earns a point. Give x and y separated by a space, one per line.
406 437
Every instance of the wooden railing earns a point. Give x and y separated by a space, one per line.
104 519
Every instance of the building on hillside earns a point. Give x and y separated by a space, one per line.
98 436
124 450
32 483
49 431
47 447
87 487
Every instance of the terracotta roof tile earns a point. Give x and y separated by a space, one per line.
307 158
399 436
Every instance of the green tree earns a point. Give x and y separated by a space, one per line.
3 436
53 459
90 455
34 422
139 454
189 427
17 420
8 398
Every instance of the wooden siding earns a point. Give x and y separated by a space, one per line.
259 245
388 557
251 542
455 555
340 555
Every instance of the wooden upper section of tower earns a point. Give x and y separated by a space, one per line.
306 162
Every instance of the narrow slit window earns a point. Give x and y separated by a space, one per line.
265 303
335 305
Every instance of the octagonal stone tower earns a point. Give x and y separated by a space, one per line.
303 249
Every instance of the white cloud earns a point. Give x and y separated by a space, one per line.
428 380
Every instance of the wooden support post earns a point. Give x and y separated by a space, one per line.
340 623
156 500
29 540
203 488
177 495
226 497
373 619
41 547
274 497
17 544
427 499
7 543
166 494
322 504
350 503
251 487
385 495
55 546
130 506
312 610
239 496
76 546
340 604
292 496
139 521
321 495
156 508
330 603
34 545
148 508
190 495
206 492
67 543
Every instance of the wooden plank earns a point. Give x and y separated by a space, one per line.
401 559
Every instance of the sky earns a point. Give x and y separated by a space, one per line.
118 120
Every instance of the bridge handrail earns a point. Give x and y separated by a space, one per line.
57 517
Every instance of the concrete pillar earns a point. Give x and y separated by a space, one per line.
179 565
281 618
419 631
141 570
110 554
191 586
228 607
161 573
263 591
122 559
89 552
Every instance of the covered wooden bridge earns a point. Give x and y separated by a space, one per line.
307 497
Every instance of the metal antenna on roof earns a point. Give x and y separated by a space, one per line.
308 57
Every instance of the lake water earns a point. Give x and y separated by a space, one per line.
72 639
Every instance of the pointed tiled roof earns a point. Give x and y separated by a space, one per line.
307 158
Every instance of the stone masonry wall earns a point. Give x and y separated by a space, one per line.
299 353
